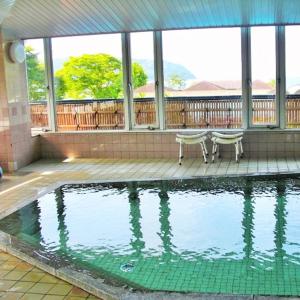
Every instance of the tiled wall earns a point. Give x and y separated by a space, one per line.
17 148
261 144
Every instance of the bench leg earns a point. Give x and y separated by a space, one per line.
180 153
236 145
203 147
214 150
241 148
218 150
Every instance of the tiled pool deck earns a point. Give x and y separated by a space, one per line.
19 280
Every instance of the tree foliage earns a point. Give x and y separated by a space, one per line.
35 75
96 76
177 82
138 75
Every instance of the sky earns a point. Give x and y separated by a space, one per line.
210 54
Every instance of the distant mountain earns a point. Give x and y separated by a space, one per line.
147 64
169 69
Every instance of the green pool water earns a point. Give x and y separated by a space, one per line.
223 235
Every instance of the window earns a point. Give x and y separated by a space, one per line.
88 82
202 72
292 51
263 66
144 107
36 83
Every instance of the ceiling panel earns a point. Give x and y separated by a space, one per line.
46 18
5 7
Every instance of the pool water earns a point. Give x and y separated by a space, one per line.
218 235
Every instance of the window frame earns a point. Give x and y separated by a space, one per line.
133 124
279 77
159 83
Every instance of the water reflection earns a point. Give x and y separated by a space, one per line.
202 238
280 216
248 220
61 214
164 215
135 217
30 226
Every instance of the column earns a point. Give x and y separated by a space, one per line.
17 147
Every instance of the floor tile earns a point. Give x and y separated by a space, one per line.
60 289
77 292
53 297
49 279
14 275
12 296
5 285
21 286
41 288
29 296
33 276
75 298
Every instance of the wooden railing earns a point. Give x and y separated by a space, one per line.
293 111
263 110
180 112
204 112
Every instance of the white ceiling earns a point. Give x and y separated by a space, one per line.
5 7
46 18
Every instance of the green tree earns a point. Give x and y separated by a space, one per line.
272 83
96 76
139 76
177 82
35 76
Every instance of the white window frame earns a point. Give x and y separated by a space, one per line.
159 82
128 71
278 85
50 84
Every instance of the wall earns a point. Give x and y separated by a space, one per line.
17 147
262 144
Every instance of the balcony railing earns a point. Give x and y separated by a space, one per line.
181 112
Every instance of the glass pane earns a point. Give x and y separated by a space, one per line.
263 66
292 50
36 83
88 82
143 79
202 71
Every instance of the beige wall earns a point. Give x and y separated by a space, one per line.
262 144
17 147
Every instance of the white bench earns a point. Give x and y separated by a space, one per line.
184 139
227 139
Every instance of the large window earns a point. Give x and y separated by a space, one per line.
88 82
292 34
202 72
263 87
36 83
144 105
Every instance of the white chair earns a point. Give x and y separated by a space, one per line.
184 139
227 139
